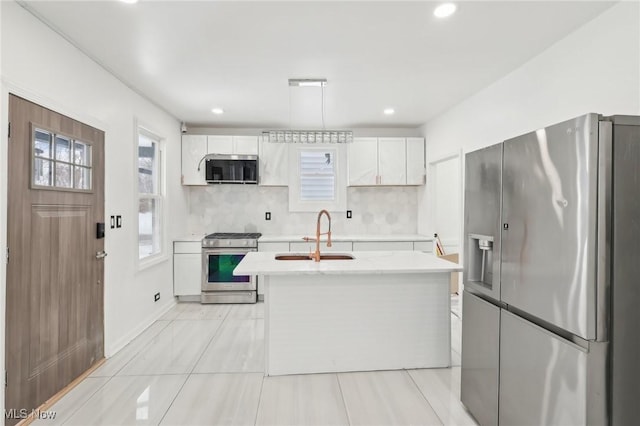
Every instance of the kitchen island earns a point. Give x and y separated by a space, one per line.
378 311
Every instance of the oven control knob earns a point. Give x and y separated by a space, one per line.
246 243
228 243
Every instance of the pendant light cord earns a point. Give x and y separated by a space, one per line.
322 87
289 107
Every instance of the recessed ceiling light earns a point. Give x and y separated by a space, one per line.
217 111
129 1
389 111
444 10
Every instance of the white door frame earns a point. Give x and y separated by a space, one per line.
431 190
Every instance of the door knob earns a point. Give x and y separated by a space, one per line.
101 254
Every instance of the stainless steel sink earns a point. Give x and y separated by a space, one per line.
326 256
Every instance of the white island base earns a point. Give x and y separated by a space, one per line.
317 323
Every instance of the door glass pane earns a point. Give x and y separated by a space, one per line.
63 148
221 268
42 144
81 153
149 235
82 178
42 172
63 175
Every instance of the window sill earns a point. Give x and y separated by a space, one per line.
151 261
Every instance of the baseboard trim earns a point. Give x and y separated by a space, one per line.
61 393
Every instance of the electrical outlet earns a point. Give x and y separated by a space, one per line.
156 297
113 222
118 221
348 214
267 216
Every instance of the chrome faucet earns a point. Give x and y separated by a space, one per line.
316 256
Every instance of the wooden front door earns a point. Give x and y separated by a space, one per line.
54 322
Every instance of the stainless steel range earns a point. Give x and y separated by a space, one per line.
221 253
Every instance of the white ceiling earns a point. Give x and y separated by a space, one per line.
189 57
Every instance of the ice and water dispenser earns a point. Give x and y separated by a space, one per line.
480 258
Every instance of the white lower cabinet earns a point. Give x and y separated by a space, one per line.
383 246
274 246
425 246
187 269
307 246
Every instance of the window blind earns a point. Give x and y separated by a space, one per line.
317 175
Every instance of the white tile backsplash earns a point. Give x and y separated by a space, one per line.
241 208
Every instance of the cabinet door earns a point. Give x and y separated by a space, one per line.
274 164
415 161
363 161
187 274
220 144
383 246
194 148
245 145
310 246
192 247
425 246
274 246
392 161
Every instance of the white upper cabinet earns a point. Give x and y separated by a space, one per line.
241 145
363 161
273 164
386 161
194 148
416 171
245 145
220 144
392 161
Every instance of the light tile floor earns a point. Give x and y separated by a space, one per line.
202 365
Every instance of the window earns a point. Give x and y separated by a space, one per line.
150 199
317 177
60 162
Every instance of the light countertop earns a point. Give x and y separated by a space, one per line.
364 262
346 237
189 238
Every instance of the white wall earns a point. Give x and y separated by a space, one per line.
594 69
3 217
76 86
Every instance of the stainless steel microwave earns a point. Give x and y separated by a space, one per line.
232 169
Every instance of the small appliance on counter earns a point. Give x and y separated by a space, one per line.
221 253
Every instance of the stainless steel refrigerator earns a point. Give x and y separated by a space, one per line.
551 306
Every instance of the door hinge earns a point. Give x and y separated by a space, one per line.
7 255
6 379
9 131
